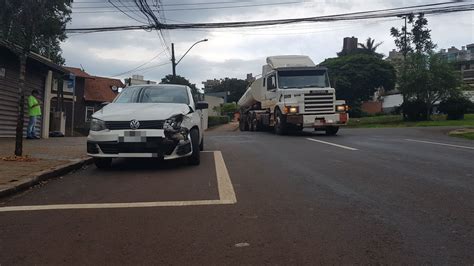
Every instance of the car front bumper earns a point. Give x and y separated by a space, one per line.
136 143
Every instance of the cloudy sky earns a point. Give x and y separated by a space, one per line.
236 52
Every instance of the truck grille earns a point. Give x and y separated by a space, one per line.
319 102
123 125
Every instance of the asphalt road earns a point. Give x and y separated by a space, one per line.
378 196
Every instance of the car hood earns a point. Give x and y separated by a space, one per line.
140 111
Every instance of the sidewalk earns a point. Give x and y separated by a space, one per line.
45 155
231 126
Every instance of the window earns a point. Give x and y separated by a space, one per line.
271 82
89 112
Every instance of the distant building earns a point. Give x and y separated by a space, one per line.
250 78
211 83
349 44
394 55
454 54
138 80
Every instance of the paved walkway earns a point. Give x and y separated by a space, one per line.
44 154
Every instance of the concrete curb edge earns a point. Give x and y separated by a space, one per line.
44 175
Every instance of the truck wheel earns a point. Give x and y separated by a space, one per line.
103 163
331 131
253 122
195 158
280 123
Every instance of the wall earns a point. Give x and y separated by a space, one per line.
213 102
372 107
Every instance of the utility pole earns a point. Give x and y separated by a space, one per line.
173 61
405 43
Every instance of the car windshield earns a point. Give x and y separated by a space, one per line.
302 79
155 94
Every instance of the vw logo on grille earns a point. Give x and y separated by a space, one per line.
134 124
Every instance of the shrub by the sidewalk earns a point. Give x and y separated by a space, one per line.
217 120
414 110
455 107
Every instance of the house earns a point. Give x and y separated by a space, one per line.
41 74
99 90
90 92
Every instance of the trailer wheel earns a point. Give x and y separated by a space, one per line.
280 123
243 125
331 131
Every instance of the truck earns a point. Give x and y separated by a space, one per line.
292 94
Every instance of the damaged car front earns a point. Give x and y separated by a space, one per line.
160 121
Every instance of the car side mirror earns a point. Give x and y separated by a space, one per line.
202 105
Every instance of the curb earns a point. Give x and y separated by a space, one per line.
38 177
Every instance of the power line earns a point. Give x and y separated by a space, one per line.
383 13
136 68
175 4
195 8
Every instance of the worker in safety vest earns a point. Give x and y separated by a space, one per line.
34 111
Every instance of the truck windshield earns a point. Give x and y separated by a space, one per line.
153 94
302 79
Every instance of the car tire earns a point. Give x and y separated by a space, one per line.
280 123
331 131
201 145
195 158
103 163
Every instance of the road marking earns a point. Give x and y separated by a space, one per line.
226 190
224 184
333 144
442 144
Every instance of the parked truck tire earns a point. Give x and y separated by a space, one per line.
243 126
331 131
280 123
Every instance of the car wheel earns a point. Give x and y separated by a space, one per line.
201 145
280 123
331 131
195 158
103 163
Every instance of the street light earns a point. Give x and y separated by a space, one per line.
173 60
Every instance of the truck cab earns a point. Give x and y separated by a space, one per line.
293 93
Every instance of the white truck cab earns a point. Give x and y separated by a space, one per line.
293 93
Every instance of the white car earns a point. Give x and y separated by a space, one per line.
160 121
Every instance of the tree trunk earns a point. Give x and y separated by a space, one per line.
21 106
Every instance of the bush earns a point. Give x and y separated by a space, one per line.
414 110
217 120
455 107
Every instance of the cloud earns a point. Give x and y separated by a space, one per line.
236 52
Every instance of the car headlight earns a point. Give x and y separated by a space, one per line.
173 123
97 125
342 108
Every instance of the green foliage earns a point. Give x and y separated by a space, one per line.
414 110
356 77
181 81
427 79
227 109
455 107
235 87
418 39
397 121
35 25
217 120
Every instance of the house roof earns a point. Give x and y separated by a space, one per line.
34 56
78 72
99 89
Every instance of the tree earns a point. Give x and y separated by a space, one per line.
425 77
32 25
181 81
356 77
235 87
369 46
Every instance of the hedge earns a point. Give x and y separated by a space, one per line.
217 120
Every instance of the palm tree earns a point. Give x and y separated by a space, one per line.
369 46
